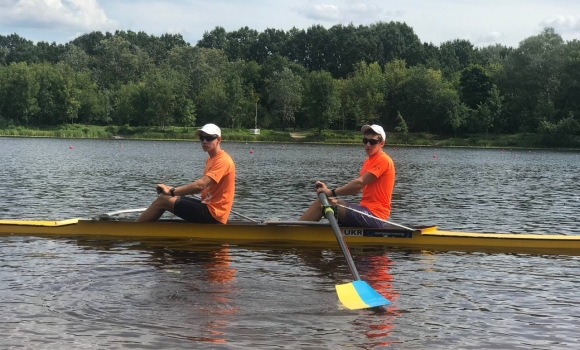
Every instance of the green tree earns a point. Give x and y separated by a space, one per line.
269 42
321 100
211 102
76 58
18 91
58 96
531 78
119 62
198 64
567 99
284 91
475 86
428 103
18 49
89 42
126 105
240 44
396 40
395 74
347 47
94 106
455 55
401 125
214 39
163 93
364 92
234 101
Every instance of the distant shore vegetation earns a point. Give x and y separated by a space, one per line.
325 83
520 140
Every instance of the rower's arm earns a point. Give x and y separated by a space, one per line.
194 187
356 185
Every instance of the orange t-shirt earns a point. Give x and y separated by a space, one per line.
219 197
376 196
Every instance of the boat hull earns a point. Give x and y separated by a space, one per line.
426 238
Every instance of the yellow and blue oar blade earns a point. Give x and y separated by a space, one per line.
359 295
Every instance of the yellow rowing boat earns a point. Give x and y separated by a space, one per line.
427 238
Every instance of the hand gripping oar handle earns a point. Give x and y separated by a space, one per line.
329 213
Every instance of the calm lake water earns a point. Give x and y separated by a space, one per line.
64 293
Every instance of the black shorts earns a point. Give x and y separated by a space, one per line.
193 210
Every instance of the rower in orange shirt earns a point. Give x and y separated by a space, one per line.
216 185
376 180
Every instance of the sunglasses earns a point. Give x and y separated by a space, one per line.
371 141
208 138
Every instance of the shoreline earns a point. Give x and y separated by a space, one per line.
299 140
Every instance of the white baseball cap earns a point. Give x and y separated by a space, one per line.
376 128
210 129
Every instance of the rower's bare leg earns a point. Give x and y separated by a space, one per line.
314 213
157 208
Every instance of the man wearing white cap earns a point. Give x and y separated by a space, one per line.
216 185
376 181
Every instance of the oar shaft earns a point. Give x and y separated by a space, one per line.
330 216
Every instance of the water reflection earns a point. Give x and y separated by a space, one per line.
377 326
197 277
203 278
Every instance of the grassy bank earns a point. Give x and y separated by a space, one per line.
327 136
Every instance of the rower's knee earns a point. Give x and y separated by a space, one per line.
164 202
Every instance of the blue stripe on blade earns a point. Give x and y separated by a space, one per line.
368 295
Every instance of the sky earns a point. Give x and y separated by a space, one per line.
482 22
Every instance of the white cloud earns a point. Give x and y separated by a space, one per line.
489 38
70 14
362 10
562 23
322 12
359 11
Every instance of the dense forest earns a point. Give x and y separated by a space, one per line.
337 78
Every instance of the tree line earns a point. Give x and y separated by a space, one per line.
339 78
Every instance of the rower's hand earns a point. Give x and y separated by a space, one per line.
163 189
321 188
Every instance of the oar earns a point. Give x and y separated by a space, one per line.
357 294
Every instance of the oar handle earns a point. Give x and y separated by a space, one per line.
329 213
